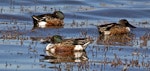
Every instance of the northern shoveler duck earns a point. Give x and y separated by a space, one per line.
122 27
67 45
45 20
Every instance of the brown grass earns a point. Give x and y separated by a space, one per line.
145 38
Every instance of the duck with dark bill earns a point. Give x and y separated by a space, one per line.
46 20
122 27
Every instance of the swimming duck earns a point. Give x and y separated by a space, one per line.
122 27
67 45
45 20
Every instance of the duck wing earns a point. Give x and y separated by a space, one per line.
77 41
42 17
106 27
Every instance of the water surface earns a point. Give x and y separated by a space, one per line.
22 50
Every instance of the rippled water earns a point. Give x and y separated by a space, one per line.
22 50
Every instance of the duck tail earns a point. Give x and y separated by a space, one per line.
35 17
35 21
86 44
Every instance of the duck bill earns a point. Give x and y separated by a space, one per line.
131 26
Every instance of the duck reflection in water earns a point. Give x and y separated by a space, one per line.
121 39
69 56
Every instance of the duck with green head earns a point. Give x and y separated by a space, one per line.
47 20
67 45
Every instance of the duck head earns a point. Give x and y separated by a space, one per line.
124 22
59 14
56 39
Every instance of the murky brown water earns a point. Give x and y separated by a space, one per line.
21 48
